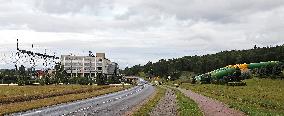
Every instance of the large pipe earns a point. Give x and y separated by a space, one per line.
229 70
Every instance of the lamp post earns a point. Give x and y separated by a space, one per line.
71 66
90 68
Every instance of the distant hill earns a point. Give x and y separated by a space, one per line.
209 62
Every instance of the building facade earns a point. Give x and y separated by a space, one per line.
88 66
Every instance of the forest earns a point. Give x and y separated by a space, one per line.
205 63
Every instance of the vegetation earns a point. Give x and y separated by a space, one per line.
59 75
270 71
260 96
146 108
186 106
20 93
206 63
11 94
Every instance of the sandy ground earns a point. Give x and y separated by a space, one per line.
211 107
167 106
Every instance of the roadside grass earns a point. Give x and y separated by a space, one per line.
186 106
261 97
146 108
38 103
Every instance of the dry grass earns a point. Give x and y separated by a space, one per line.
27 93
32 104
14 91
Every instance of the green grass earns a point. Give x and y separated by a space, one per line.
146 108
186 106
261 97
37 103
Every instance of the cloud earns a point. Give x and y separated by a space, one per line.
135 32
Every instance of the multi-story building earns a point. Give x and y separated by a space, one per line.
88 66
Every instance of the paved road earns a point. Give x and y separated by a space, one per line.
107 105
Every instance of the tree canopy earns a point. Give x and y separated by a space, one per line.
208 62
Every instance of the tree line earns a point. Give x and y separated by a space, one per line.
23 76
206 63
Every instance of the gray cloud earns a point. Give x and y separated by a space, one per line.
134 32
218 10
92 7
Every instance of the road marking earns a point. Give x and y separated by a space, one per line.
32 113
38 111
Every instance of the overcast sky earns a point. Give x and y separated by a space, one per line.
137 31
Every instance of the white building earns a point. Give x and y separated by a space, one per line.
88 66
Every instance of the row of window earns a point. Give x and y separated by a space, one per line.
80 64
75 68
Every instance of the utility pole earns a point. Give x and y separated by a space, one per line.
76 68
71 66
90 67
83 68
17 60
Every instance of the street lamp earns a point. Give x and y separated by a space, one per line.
70 58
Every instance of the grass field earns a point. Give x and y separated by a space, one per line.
146 108
27 97
186 106
261 97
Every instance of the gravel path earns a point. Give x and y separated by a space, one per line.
211 107
167 106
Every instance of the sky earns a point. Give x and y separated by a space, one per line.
137 31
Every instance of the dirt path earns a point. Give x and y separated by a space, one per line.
211 107
167 106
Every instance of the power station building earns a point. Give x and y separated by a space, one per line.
88 66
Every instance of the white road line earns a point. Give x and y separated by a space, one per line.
32 113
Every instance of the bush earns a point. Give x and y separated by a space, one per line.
41 81
80 80
83 80
246 75
20 82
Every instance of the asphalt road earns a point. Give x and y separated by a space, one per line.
113 104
